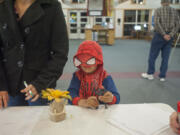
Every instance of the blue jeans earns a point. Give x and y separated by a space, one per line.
159 44
19 100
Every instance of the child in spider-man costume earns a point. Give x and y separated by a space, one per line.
90 84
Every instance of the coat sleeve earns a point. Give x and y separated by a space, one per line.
74 90
109 85
59 47
3 80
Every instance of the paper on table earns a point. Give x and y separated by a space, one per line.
26 120
139 119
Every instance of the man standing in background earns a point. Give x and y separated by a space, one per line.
167 23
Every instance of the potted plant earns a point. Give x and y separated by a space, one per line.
58 100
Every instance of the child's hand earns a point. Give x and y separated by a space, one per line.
83 103
174 123
92 102
106 98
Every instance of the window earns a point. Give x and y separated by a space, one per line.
99 20
128 29
107 20
83 14
83 21
130 16
138 1
103 19
73 17
135 20
143 15
133 1
175 1
178 12
74 1
78 1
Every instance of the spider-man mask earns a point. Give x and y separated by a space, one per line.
89 54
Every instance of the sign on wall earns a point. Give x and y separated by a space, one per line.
95 7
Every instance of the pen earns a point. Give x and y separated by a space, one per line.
25 84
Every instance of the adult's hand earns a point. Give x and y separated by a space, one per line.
174 123
107 97
4 98
30 92
167 37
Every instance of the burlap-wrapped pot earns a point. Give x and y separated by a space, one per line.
57 111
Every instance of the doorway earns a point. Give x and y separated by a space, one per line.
77 22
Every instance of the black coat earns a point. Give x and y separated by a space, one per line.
34 49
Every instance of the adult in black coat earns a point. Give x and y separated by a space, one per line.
33 48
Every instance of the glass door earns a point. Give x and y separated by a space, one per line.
77 22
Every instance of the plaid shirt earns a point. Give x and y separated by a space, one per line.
166 20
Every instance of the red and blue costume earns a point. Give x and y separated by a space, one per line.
84 85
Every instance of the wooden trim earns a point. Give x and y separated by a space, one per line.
123 23
129 37
150 20
175 4
141 8
126 37
76 9
118 38
115 21
135 8
68 24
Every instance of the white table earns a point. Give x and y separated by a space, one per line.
79 121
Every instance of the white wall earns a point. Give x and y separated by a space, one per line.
118 26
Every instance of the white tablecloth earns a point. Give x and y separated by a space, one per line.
35 121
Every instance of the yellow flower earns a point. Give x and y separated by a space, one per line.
55 94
